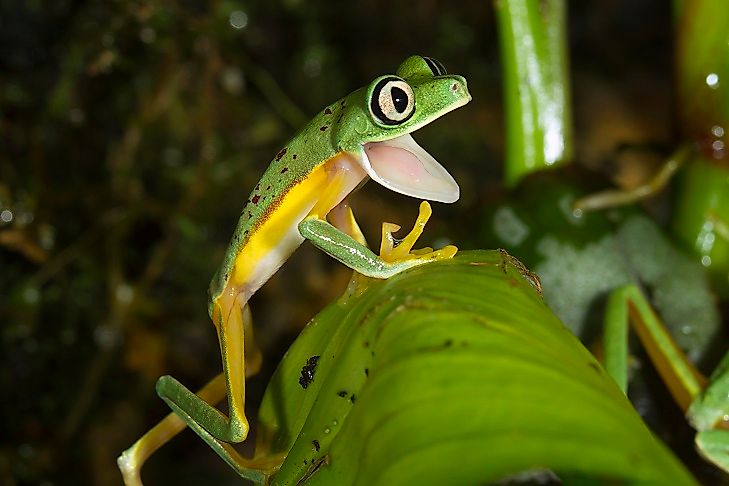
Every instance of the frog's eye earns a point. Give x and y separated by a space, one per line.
435 66
392 101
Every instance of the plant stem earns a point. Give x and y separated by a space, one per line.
702 61
536 85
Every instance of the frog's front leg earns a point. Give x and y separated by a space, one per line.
358 257
706 404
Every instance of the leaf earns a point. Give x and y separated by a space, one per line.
454 372
581 259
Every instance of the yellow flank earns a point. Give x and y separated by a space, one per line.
283 216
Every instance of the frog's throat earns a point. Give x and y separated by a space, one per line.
401 165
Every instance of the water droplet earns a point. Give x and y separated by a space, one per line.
6 216
335 423
706 260
238 19
686 330
327 430
712 80
717 131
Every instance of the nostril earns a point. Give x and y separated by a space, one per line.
454 87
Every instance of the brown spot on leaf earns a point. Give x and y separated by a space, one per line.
307 372
281 153
294 156
255 199
327 111
324 128
284 170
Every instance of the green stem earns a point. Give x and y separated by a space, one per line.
702 61
702 215
536 85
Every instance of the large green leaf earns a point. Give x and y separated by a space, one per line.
454 372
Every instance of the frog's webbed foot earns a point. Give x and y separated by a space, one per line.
393 250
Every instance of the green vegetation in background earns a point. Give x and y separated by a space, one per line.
534 59
701 219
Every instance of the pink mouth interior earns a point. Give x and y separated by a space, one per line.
394 164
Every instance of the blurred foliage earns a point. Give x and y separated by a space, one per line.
580 259
133 131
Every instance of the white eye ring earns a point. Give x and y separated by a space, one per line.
392 101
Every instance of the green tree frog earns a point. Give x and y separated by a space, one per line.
303 195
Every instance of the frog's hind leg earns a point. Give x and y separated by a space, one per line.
131 461
343 219
232 322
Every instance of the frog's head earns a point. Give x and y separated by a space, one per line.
376 123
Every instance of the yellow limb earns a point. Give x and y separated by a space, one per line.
330 196
131 461
404 250
343 219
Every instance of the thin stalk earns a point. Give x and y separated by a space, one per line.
536 85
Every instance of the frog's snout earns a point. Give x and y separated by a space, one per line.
459 88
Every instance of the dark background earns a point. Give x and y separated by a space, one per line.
130 136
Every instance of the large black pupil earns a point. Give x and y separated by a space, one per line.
399 99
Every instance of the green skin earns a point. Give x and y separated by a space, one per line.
375 113
344 126
706 405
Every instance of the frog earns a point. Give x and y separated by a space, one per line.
304 195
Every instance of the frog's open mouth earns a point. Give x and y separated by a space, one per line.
400 164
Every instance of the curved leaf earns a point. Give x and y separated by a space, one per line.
454 372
